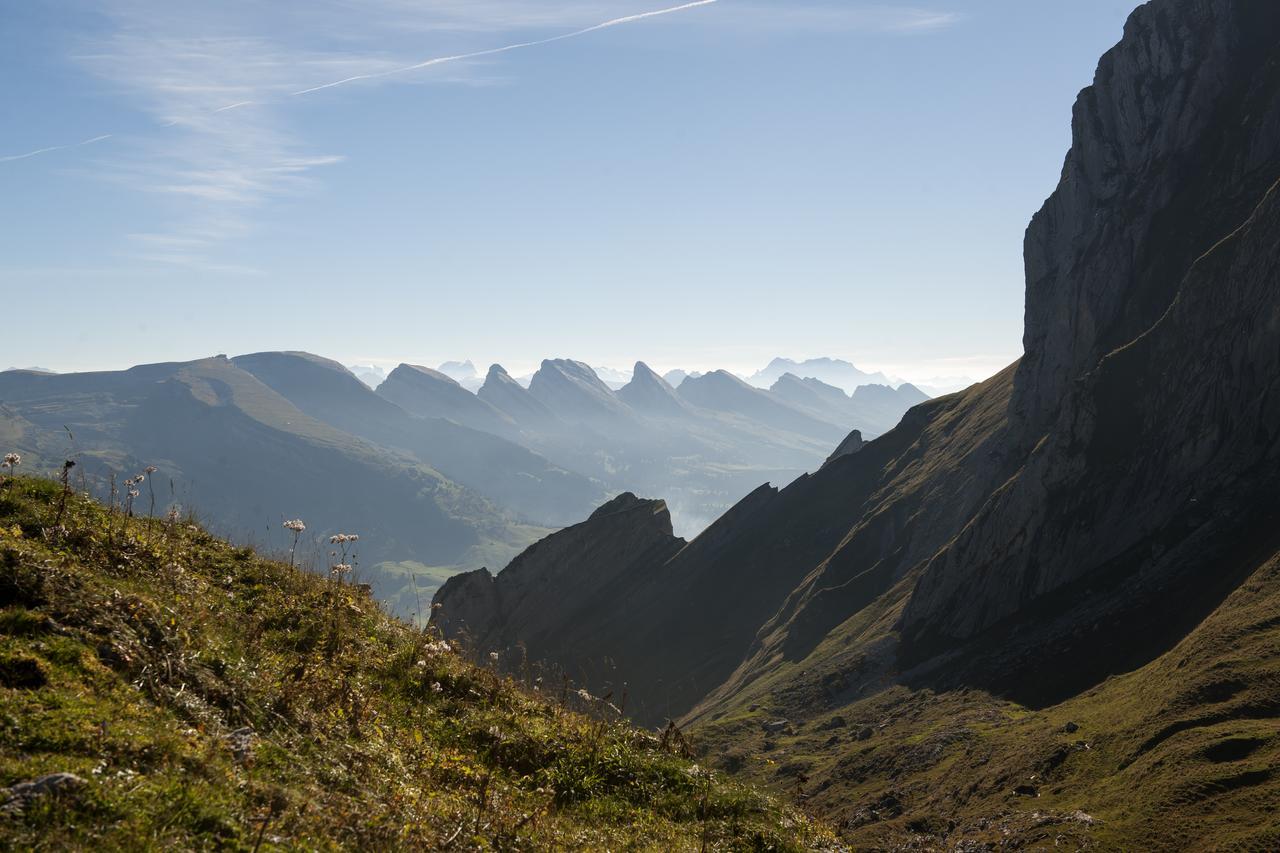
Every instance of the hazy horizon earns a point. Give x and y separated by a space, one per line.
967 370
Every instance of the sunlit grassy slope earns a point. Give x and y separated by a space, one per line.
211 699
1180 754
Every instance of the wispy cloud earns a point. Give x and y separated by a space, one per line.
212 78
442 60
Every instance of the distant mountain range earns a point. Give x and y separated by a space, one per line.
446 478
832 371
369 374
704 445
250 441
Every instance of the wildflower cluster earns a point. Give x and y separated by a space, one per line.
11 461
297 526
437 647
132 489
341 568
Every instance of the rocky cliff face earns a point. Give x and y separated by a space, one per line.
1173 147
1146 397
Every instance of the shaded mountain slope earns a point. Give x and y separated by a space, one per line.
576 394
165 690
573 576
649 394
721 391
430 394
244 456
514 400
510 475
685 624
1178 754
830 371
814 396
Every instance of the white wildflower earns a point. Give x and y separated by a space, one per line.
296 525
437 687
438 647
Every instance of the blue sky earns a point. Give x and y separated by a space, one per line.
704 188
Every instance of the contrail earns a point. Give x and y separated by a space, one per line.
440 60
40 151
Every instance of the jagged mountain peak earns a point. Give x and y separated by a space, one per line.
511 398
405 368
574 392
432 394
498 375
650 394
628 502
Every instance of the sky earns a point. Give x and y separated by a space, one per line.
507 180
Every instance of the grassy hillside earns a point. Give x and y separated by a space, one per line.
207 698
